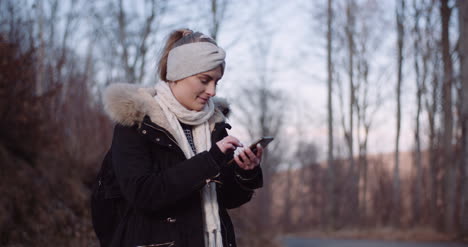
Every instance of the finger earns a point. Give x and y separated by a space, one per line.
239 162
245 162
230 146
225 146
244 157
250 154
228 143
234 141
259 151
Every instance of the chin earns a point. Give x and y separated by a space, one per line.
198 107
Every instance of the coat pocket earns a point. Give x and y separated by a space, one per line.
167 244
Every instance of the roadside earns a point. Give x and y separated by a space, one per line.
304 242
385 234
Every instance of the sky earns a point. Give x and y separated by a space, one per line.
296 63
299 64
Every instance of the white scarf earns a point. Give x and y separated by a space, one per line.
174 113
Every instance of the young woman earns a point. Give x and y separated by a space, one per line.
170 152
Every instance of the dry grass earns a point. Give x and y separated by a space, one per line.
40 207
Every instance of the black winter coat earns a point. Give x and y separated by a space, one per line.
161 203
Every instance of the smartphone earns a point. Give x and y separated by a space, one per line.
264 141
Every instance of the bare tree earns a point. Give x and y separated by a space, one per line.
431 106
447 121
367 93
126 36
360 41
419 54
218 11
41 53
463 51
367 105
400 12
298 199
306 155
331 209
350 33
261 111
426 67
58 137
263 116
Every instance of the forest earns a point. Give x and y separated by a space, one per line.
366 99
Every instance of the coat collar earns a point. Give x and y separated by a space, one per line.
128 104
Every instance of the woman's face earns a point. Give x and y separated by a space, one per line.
194 91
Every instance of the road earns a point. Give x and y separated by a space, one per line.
303 242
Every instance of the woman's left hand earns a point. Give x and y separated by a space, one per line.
249 160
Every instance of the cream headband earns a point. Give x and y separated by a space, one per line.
190 59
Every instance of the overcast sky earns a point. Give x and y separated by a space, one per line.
297 62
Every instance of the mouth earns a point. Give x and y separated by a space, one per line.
204 100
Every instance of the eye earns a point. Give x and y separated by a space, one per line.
204 80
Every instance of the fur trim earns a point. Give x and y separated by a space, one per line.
128 104
125 103
223 106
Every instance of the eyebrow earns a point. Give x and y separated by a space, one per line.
210 77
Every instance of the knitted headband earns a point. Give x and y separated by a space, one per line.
193 58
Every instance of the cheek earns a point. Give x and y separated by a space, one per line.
198 89
192 92
192 89
182 94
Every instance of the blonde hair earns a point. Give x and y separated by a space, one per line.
177 38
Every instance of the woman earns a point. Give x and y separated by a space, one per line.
170 152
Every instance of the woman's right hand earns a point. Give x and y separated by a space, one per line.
228 143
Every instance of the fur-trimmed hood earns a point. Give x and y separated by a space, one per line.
128 104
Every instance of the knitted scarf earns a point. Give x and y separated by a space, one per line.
174 113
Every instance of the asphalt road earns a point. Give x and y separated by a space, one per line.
303 242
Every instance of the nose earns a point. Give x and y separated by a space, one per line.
211 89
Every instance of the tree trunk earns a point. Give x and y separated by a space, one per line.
214 19
463 51
447 122
218 8
431 106
417 137
396 170
433 145
350 134
331 174
364 163
132 37
286 222
41 58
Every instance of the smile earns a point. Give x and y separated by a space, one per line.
204 100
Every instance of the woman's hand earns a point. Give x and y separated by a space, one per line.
228 143
248 160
